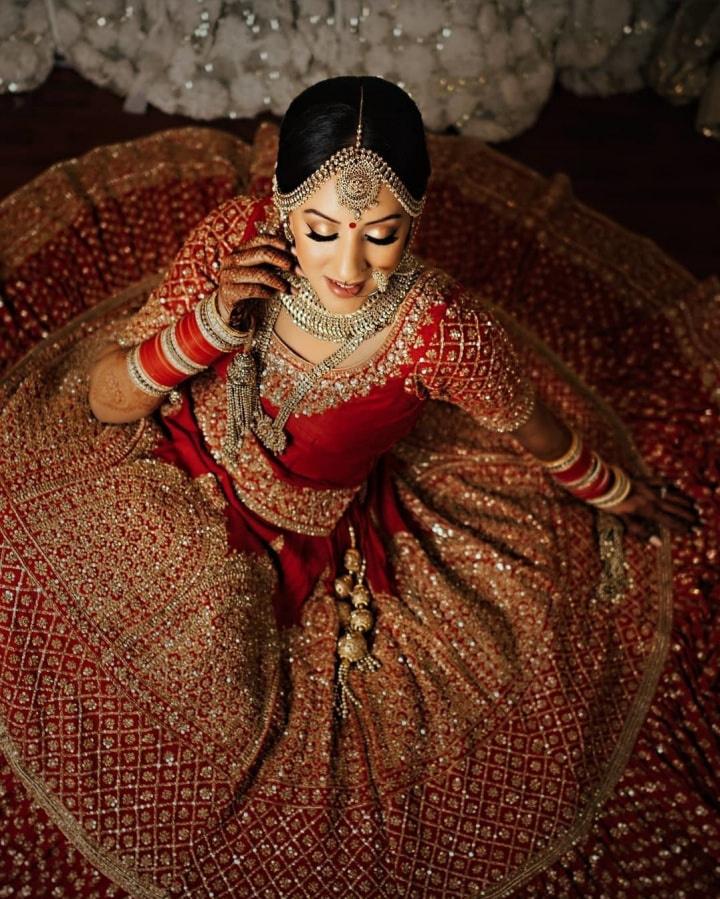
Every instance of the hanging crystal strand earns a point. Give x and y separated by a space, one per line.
244 412
241 392
357 620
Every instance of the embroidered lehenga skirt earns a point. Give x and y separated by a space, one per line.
541 721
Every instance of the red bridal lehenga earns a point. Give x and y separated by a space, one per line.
542 722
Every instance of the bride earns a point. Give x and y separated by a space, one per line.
315 573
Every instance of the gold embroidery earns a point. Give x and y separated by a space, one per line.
157 678
305 510
343 384
193 275
470 362
32 215
458 815
154 614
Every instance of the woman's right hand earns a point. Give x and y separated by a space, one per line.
248 273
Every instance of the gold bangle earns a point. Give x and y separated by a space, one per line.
140 378
224 331
213 328
568 458
622 485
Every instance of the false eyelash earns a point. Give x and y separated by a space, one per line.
315 236
380 241
384 241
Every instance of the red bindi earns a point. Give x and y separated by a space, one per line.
352 225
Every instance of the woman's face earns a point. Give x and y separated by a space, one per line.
334 248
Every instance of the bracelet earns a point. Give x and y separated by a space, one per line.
214 329
589 474
622 485
584 474
185 348
568 458
140 378
596 484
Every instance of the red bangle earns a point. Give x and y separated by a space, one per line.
156 365
192 343
578 470
597 486
584 474
184 348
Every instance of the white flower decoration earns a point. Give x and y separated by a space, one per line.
182 65
86 57
9 21
69 28
274 49
381 62
421 18
376 28
462 54
18 61
486 67
246 94
416 63
100 38
206 99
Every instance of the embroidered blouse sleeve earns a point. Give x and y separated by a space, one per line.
194 272
469 360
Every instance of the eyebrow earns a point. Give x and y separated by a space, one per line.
393 215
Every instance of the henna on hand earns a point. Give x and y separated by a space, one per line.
248 273
653 504
112 396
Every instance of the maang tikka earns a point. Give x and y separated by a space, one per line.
360 171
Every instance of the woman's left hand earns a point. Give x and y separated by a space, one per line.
652 503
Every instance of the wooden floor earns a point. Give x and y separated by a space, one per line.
633 157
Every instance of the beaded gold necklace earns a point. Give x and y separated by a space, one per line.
245 412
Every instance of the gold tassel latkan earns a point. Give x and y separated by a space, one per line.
615 579
357 621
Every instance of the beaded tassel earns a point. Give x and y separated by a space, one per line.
357 620
614 578
241 399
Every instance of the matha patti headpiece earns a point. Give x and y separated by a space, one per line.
360 173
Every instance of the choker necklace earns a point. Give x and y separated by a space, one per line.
245 412
309 314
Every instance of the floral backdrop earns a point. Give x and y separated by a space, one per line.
486 67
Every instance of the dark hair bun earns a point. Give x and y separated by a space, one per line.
323 119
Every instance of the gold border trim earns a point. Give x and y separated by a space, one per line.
640 705
72 831
110 304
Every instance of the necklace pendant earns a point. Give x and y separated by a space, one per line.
271 437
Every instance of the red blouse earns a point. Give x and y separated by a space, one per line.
444 345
